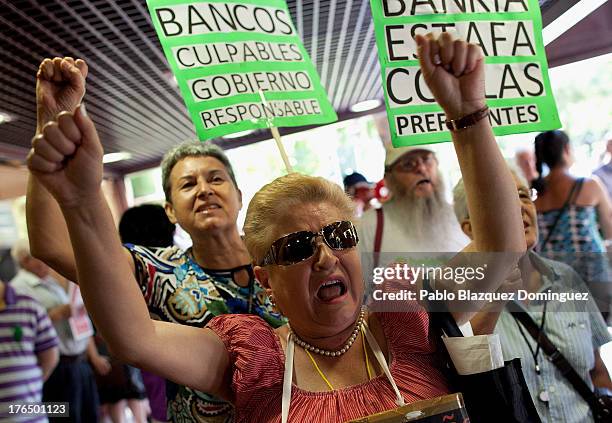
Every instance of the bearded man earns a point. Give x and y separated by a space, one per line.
417 218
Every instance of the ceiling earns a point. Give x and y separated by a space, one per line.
129 91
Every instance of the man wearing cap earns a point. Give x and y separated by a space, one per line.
417 218
360 190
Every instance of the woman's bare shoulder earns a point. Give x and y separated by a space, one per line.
591 192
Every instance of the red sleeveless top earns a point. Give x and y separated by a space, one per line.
258 362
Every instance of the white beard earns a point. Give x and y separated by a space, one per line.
427 218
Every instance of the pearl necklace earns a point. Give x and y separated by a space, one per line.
358 325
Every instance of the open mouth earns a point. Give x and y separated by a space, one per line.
423 182
330 290
207 207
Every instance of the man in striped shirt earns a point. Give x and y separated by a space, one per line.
73 379
575 327
28 352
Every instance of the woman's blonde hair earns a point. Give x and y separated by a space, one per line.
273 204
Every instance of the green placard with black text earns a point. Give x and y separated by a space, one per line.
510 34
226 54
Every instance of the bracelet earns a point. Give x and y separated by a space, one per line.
467 121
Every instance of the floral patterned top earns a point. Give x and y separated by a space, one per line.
178 290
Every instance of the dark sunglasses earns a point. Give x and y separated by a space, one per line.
299 246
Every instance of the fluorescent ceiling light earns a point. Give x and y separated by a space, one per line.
571 17
365 105
116 157
239 134
5 118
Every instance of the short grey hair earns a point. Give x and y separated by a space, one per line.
192 149
460 200
19 250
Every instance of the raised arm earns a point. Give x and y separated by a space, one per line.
60 86
67 160
454 71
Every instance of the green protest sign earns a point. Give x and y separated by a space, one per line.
510 34
225 54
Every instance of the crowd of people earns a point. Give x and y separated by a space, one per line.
274 326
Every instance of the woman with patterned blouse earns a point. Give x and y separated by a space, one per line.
211 278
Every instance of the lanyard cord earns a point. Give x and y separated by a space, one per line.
288 374
329 385
327 382
540 332
365 352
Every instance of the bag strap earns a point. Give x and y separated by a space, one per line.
553 353
380 225
575 188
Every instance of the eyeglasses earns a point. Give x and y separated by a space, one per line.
412 162
299 246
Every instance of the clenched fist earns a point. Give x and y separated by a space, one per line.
60 85
454 72
66 157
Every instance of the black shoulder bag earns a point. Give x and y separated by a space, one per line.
499 395
601 405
